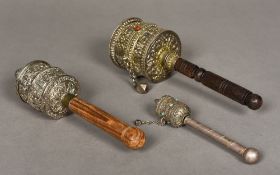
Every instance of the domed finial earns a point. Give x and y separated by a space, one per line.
251 156
254 101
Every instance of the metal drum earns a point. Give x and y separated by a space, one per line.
44 87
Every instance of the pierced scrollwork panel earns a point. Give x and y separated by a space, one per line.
144 49
44 87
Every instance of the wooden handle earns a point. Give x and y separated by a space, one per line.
219 84
132 137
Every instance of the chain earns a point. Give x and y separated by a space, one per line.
160 122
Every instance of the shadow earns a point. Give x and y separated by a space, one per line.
10 95
220 100
9 89
265 107
102 135
96 132
188 52
99 52
150 109
85 90
150 141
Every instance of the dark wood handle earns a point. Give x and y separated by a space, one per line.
219 84
132 137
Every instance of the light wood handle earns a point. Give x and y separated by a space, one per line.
132 137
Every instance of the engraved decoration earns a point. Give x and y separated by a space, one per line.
173 111
177 114
144 49
44 87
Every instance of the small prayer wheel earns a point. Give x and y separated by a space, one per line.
48 89
177 114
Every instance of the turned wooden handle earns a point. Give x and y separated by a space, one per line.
219 84
132 137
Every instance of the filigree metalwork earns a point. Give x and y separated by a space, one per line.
144 49
44 87
173 111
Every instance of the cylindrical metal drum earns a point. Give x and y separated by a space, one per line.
144 49
173 111
44 87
